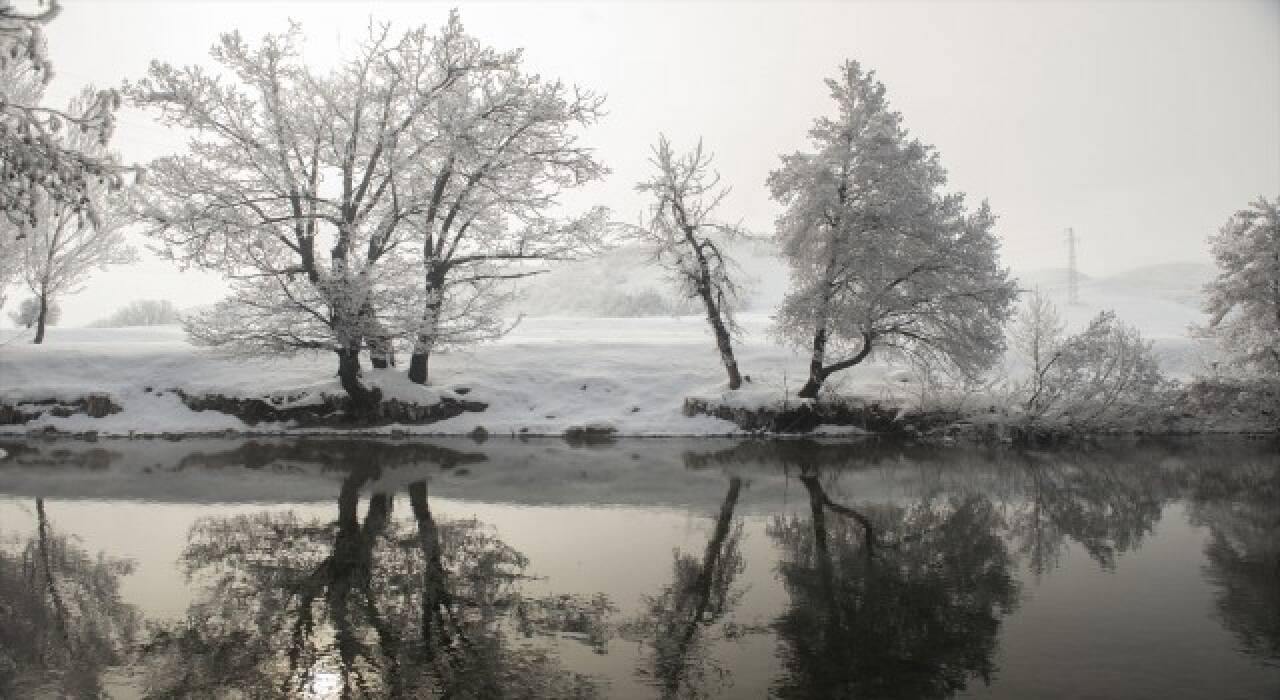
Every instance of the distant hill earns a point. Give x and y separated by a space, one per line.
1176 281
626 282
1182 282
1161 300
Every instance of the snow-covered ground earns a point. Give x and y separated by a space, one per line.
548 375
552 372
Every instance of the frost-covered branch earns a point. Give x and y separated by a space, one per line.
881 256
685 192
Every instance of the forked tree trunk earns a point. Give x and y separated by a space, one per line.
364 401
818 372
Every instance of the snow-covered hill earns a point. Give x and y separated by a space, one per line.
1161 300
626 282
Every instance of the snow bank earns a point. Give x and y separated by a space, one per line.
548 375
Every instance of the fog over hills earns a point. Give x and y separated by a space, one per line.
626 281
1161 300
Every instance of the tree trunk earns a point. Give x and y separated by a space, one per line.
41 318
817 374
381 353
427 336
364 400
418 362
723 342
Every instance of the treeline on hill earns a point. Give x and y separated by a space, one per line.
383 208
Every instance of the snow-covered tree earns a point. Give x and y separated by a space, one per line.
30 311
881 258
299 186
1243 301
64 245
142 312
35 165
681 237
493 161
1105 376
1036 336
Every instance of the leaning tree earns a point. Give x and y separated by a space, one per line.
1243 301
298 186
880 256
682 237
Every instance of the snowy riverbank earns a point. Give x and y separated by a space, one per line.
547 376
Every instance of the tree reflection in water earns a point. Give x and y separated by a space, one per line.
1106 502
908 608
898 591
61 618
1239 503
678 624
363 608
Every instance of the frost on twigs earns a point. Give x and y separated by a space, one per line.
882 258
375 208
68 240
37 162
1243 301
1104 378
684 238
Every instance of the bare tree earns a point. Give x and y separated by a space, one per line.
680 232
880 256
1037 336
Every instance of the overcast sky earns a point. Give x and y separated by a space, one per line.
1140 125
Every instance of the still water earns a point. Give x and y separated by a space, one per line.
639 569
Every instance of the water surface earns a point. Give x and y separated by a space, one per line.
645 568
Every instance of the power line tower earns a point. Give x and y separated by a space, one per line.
1073 272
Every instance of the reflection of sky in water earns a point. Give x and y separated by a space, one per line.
1142 625
324 685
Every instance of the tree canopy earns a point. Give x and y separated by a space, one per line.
1243 301
881 256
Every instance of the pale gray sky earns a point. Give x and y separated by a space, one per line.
1142 125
